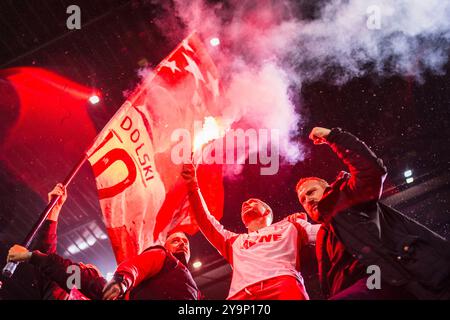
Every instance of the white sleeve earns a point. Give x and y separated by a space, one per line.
212 229
310 229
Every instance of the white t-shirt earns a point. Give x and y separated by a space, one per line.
260 255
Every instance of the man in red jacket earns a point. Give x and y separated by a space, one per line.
158 273
51 269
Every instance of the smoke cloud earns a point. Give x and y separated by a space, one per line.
270 48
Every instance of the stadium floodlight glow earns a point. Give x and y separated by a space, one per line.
73 249
409 180
407 173
94 99
214 42
197 264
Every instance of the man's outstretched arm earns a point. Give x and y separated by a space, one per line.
57 269
212 229
366 169
47 239
310 230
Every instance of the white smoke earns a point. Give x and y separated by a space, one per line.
405 37
271 47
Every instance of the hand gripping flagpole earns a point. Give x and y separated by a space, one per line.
10 267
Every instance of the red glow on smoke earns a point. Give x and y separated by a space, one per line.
52 127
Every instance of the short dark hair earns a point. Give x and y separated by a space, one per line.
303 180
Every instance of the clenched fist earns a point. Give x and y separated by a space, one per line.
298 215
112 290
18 254
318 135
189 175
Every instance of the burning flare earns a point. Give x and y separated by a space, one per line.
210 131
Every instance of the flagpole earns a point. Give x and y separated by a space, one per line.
10 267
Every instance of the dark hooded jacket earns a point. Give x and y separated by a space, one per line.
358 231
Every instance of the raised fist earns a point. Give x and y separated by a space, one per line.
318 135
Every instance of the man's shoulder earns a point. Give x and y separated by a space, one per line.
332 192
284 224
274 225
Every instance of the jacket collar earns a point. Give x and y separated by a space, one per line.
326 204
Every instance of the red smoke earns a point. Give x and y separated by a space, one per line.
50 127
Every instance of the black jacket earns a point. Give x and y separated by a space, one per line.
46 243
359 231
172 281
55 267
51 269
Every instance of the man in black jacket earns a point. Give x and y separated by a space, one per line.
52 271
360 234
158 273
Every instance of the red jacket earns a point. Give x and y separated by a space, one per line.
156 274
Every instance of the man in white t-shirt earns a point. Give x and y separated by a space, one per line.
266 260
